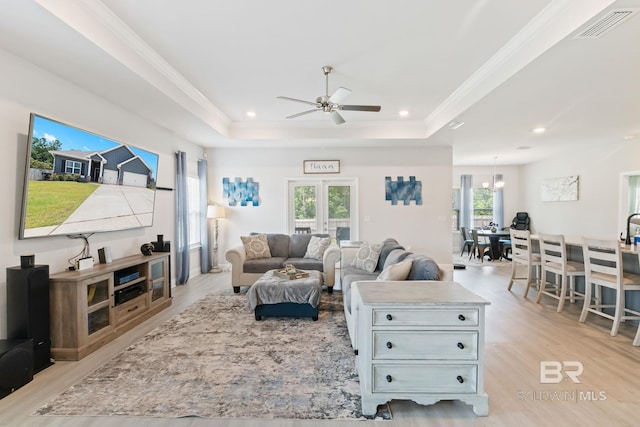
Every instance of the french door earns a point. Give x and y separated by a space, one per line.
323 206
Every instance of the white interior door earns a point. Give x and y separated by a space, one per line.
323 206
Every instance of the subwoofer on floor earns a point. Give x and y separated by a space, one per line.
16 365
28 310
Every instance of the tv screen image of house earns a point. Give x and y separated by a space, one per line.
77 182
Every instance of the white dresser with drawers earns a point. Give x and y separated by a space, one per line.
420 341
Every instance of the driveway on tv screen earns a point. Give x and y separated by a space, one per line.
109 207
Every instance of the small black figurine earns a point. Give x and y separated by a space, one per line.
146 249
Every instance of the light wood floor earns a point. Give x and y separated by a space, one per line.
520 334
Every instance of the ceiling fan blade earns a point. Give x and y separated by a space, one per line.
374 108
337 118
339 95
302 114
315 104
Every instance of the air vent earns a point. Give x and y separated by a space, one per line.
606 23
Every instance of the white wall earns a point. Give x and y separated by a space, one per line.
596 212
425 228
25 89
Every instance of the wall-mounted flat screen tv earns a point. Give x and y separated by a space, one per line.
77 182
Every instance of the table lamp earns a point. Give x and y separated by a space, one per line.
214 212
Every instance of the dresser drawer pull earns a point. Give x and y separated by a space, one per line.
460 379
460 346
389 379
461 317
389 345
389 317
132 309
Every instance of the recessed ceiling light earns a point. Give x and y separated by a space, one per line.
628 137
455 125
251 114
539 130
403 113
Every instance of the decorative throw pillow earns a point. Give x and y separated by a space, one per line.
398 271
256 246
367 256
317 246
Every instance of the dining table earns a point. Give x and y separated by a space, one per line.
494 240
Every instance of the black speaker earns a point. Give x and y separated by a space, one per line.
28 310
16 365
164 246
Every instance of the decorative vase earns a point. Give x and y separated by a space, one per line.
146 249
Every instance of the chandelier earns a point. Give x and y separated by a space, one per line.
496 184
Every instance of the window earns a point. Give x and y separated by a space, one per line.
629 202
193 191
482 207
72 167
455 209
477 206
323 206
634 194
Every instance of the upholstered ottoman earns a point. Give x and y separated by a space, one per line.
273 296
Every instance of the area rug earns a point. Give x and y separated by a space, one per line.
215 360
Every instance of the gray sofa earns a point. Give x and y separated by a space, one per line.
285 249
423 268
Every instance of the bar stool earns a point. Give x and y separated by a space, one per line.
603 268
521 255
553 255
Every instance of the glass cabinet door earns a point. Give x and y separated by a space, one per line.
98 292
157 280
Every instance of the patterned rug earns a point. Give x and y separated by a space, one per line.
215 360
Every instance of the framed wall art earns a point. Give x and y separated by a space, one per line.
239 192
321 166
560 189
404 191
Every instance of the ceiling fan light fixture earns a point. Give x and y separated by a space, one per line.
331 103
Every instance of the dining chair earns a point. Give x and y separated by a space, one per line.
467 241
481 248
553 259
523 256
603 268
504 246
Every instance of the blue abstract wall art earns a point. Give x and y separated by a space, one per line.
403 190
240 192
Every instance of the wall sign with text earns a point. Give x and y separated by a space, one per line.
322 166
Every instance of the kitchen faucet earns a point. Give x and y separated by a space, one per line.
628 239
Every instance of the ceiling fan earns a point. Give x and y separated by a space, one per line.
331 104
